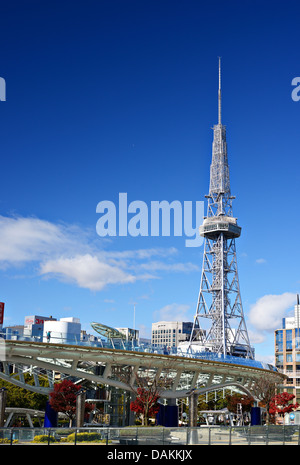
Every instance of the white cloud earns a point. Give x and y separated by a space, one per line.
87 271
141 254
72 254
267 313
181 267
261 260
256 337
172 312
31 239
265 358
145 331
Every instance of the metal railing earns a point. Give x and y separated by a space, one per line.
136 436
291 374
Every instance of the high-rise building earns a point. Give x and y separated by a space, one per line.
287 352
170 333
219 314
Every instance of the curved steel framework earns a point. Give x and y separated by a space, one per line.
178 376
107 331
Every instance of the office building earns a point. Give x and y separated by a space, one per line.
170 333
287 352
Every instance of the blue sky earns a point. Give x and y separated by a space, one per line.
105 97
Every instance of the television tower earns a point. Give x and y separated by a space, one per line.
219 303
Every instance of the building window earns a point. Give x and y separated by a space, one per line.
297 338
289 339
279 341
289 358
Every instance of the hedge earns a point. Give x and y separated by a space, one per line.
43 438
84 437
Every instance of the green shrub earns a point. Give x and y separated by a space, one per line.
7 441
84 437
43 438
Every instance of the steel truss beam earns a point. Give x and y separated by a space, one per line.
118 368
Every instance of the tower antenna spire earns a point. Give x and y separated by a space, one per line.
219 93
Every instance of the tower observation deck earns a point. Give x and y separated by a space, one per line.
219 314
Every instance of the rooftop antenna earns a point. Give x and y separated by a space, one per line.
219 93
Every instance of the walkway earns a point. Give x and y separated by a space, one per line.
177 376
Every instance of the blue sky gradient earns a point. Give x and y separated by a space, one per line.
105 97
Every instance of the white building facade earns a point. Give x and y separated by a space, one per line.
64 331
170 333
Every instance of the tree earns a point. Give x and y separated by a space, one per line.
63 398
146 404
281 405
147 388
23 398
264 390
235 399
215 401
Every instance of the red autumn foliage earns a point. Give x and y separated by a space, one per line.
63 398
281 405
145 403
